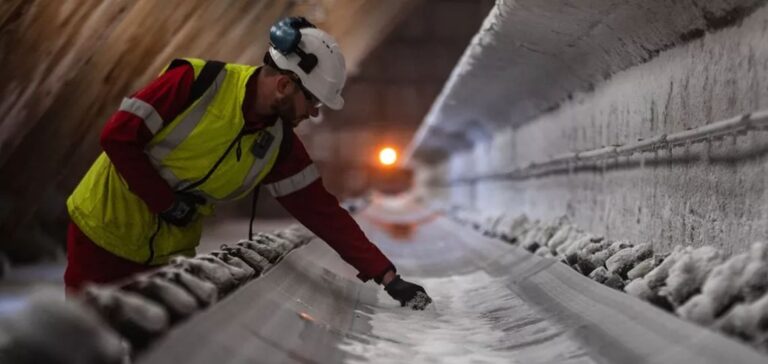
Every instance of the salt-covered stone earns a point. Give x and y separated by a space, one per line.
511 228
235 261
759 250
258 263
560 236
239 275
621 262
602 275
576 246
530 236
218 274
177 301
639 288
543 251
746 320
754 280
204 292
546 231
657 277
625 259
135 317
720 290
689 273
266 252
593 248
644 267
295 233
50 329
280 245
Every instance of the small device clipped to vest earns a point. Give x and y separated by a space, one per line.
262 143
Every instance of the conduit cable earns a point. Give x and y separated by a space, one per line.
730 127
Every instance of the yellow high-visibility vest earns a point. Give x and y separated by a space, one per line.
202 151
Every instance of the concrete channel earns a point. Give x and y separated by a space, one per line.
494 303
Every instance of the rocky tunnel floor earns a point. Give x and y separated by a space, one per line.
493 303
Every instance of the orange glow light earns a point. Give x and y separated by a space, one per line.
388 156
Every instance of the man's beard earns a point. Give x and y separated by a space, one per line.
285 110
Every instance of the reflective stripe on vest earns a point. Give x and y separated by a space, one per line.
258 167
161 150
293 183
143 110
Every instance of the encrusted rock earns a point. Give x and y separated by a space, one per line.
49 329
657 277
746 320
754 279
218 274
239 275
719 291
235 261
258 263
205 292
689 272
625 259
602 275
512 228
268 253
644 267
560 237
179 302
136 318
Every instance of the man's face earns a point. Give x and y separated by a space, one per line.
297 105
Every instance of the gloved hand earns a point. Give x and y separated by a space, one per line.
183 209
408 294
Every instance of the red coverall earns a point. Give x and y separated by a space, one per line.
124 138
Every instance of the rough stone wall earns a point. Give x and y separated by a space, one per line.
67 64
714 193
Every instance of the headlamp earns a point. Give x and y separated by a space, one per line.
285 36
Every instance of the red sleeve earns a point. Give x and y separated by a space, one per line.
125 136
319 211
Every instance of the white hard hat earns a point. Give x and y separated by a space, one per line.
326 76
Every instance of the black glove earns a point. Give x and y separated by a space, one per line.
406 293
183 209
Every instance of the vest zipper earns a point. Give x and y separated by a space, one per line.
239 150
198 183
218 162
152 243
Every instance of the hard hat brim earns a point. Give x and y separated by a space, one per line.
336 104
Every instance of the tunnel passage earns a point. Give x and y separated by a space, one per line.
611 157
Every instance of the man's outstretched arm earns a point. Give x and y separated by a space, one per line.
297 185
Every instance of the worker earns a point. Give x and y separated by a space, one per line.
205 132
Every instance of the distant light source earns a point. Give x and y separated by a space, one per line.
387 156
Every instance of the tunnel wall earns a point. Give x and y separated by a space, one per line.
709 193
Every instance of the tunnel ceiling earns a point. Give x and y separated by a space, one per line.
531 55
